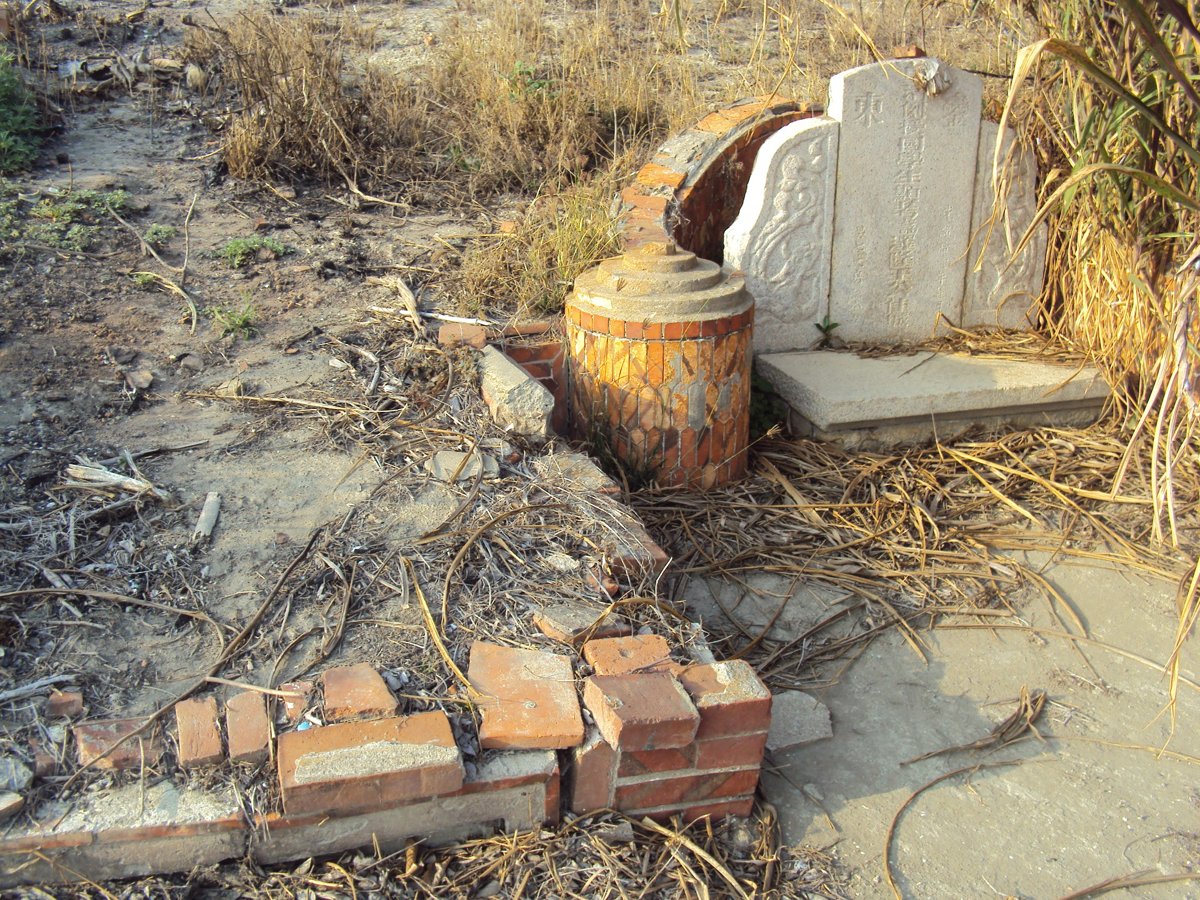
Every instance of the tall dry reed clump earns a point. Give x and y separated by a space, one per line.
1113 91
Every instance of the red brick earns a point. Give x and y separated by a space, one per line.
247 727
199 732
93 738
454 333
358 766
528 698
64 704
641 711
294 706
553 809
653 762
356 692
654 174
45 760
741 806
636 198
686 790
623 655
593 775
645 557
528 328
602 583
732 752
730 698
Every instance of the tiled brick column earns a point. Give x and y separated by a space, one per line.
659 355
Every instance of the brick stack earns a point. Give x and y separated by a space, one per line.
687 742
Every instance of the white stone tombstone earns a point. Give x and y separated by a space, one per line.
905 188
1000 289
782 238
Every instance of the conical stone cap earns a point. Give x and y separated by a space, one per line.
659 282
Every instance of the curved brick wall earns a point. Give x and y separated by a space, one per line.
693 188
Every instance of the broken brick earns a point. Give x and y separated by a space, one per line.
64 704
199 732
357 692
641 711
593 775
453 334
730 698
44 761
528 698
247 727
360 766
567 620
623 655
295 699
93 738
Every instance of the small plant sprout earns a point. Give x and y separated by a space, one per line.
158 235
237 322
826 326
239 252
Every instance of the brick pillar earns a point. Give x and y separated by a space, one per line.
659 355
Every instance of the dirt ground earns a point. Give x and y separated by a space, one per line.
76 332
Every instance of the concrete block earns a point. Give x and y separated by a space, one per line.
439 821
797 718
517 401
566 620
126 832
469 466
841 393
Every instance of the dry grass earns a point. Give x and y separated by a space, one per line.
528 269
1113 107
305 108
908 536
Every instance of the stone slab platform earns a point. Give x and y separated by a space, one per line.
895 399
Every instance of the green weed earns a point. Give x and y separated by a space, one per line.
240 252
19 138
238 322
67 220
158 235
